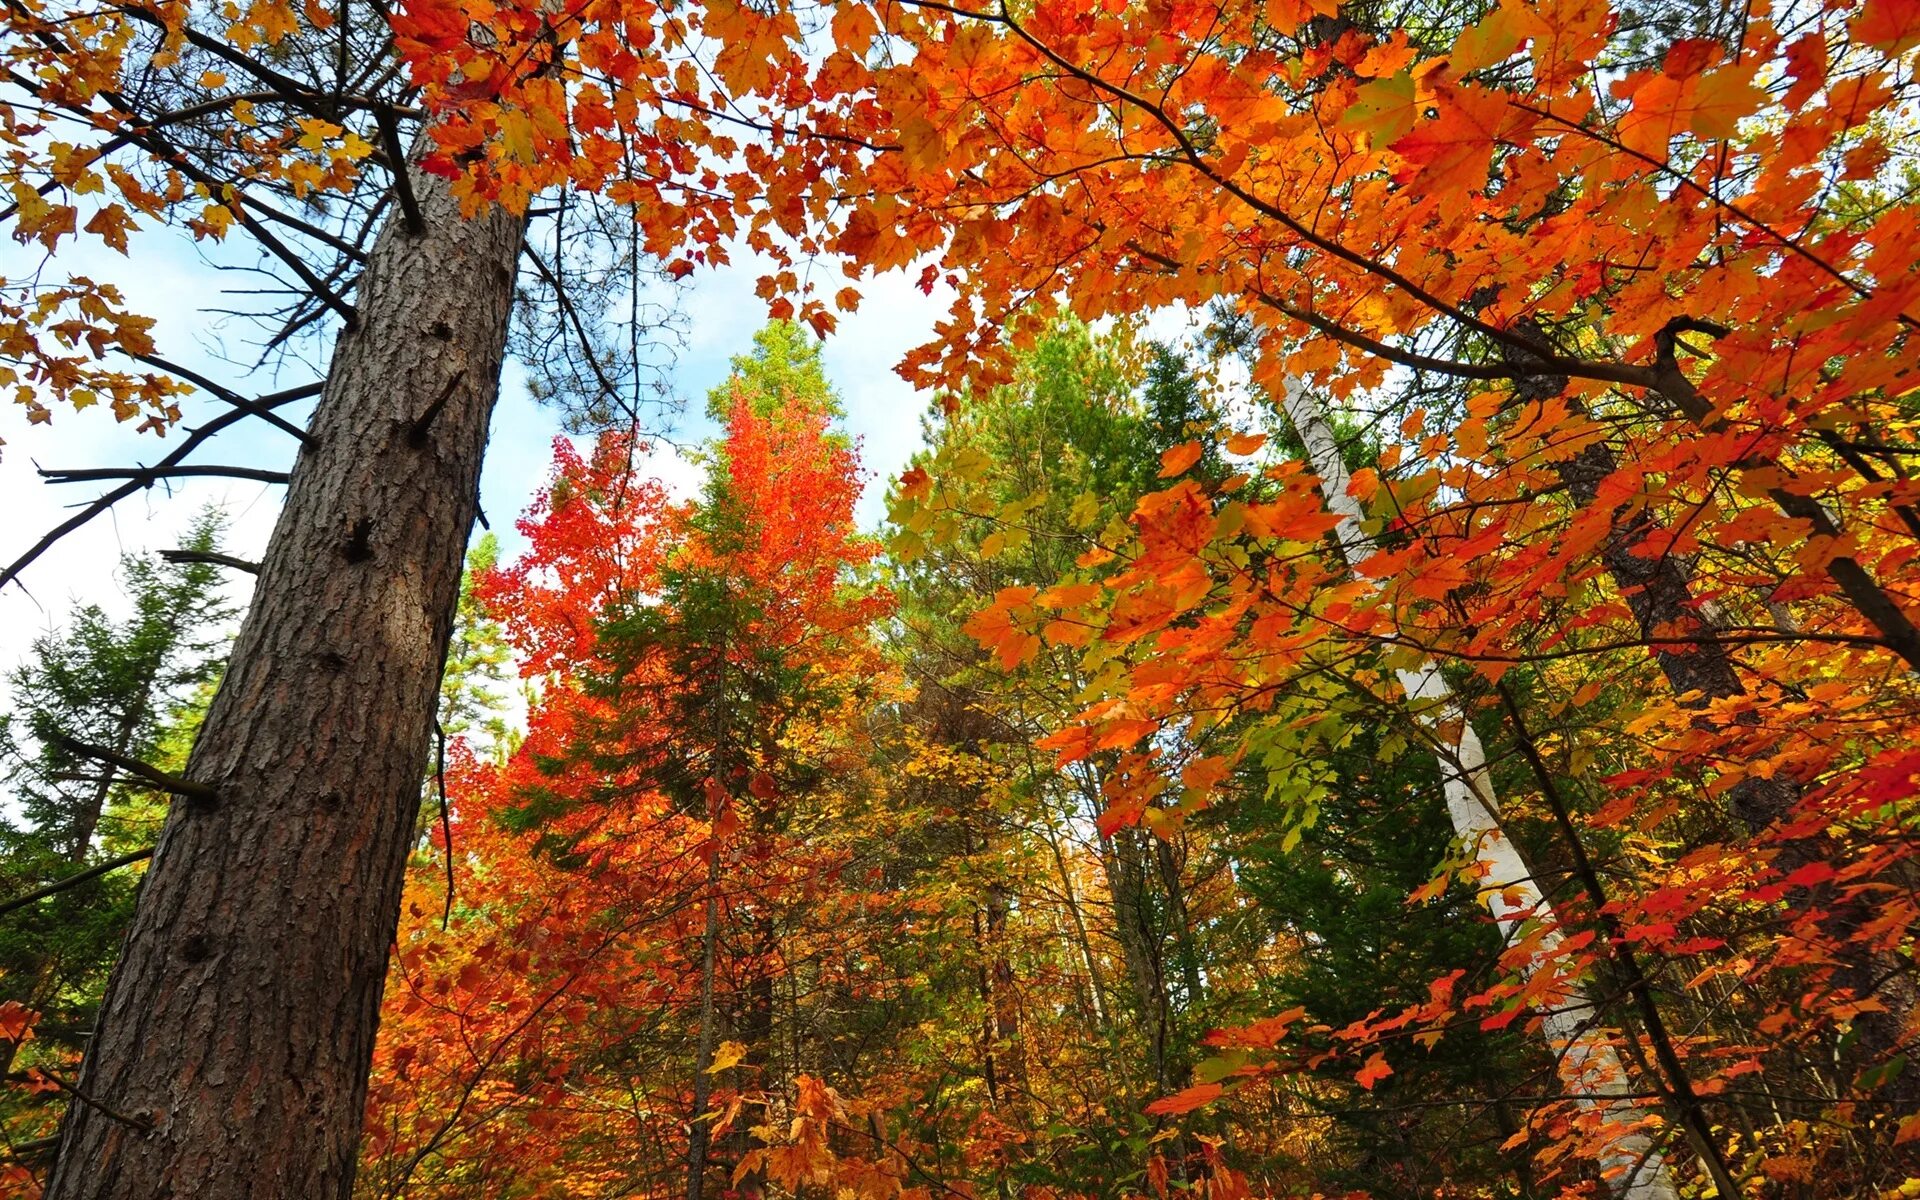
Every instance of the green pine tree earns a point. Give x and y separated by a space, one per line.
137 687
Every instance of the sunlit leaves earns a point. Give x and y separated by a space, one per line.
1890 26
1453 151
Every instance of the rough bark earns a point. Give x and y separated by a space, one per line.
1589 1067
1658 589
233 1046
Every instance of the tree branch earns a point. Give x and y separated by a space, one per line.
1679 1084
75 880
107 501
402 182
209 556
162 780
262 407
148 476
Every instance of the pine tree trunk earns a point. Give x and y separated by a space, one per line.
232 1052
1590 1069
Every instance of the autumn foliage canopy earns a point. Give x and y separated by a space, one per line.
1447 728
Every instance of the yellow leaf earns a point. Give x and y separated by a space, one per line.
727 1054
316 133
1384 110
1483 45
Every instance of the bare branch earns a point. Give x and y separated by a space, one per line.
75 880
163 780
211 557
107 501
402 182
148 476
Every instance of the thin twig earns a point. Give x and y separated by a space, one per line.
446 820
142 1123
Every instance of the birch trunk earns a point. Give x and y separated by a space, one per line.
1590 1068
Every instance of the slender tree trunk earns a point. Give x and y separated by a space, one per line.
1006 993
1125 857
1096 985
1171 882
700 1128
233 1047
1590 1069
983 983
756 1022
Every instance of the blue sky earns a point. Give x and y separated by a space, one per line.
167 278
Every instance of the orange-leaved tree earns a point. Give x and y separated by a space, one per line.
1690 254
662 853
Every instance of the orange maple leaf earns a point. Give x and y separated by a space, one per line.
1187 1100
1892 26
1454 151
1178 459
1374 1071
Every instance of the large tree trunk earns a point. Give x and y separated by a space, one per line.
1589 1067
231 1058
1658 590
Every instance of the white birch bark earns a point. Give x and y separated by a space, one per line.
1590 1068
